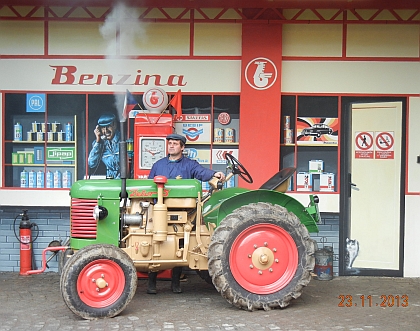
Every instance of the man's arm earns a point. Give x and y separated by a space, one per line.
95 154
202 173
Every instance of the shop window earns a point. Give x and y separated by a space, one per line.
309 142
36 144
211 126
41 139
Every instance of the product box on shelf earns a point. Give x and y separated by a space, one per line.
326 182
316 166
304 181
15 158
39 155
21 157
29 158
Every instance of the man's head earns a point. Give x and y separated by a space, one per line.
177 137
107 125
176 145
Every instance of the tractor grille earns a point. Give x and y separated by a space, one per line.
83 225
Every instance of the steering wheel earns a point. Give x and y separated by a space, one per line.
238 168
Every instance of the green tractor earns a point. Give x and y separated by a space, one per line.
252 245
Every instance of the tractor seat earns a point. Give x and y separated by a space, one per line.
280 181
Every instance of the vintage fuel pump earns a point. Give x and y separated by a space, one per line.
25 240
150 131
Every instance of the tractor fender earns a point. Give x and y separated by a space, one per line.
224 203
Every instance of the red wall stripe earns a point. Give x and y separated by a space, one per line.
259 136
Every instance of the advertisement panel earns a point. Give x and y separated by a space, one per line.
196 128
317 131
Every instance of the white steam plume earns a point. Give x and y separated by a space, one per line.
122 31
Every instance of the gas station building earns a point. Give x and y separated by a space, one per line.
265 72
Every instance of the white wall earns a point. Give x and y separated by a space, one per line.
411 238
413 145
355 77
412 214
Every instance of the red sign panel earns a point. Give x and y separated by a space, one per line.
363 147
384 148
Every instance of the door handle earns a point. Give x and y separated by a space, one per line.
351 184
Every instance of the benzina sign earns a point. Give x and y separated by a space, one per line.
69 75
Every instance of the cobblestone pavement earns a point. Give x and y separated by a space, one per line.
35 303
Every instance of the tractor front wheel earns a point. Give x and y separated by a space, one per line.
98 281
260 257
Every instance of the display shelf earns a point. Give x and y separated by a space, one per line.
305 145
300 145
70 142
225 144
28 161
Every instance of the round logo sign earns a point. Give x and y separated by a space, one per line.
36 102
223 118
155 100
192 134
260 73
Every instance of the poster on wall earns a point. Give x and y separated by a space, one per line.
196 128
103 143
202 156
218 155
317 131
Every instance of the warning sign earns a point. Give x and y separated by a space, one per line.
25 243
384 145
363 145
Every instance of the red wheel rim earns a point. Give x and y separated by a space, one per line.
263 258
100 283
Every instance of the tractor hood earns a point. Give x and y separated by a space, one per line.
146 188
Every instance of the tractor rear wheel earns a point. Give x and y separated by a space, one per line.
260 257
98 281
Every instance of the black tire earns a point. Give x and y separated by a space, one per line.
98 281
63 257
247 238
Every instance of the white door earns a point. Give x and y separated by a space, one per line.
373 233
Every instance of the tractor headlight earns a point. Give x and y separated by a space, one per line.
99 213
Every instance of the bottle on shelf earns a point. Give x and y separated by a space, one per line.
18 132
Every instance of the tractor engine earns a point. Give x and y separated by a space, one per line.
156 227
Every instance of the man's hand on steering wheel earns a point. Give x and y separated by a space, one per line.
219 175
238 168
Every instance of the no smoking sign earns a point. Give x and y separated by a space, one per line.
384 145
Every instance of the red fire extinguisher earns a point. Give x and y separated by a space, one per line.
25 239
